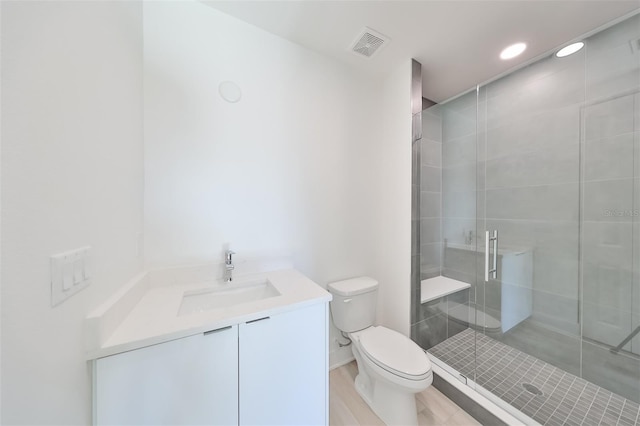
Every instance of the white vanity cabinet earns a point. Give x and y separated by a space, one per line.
272 370
284 369
193 380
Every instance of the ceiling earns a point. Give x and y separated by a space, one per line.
457 41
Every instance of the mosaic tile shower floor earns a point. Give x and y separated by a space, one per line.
565 399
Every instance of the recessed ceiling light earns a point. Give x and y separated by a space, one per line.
513 51
570 49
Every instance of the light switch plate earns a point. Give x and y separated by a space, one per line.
69 273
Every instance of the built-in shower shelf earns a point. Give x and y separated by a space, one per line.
434 288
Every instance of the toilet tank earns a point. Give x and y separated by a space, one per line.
354 301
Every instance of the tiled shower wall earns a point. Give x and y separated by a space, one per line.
431 194
431 322
460 191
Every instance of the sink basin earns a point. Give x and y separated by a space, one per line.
226 296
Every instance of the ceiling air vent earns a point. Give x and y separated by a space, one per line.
369 42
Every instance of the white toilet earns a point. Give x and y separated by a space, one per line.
391 367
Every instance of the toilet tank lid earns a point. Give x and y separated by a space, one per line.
353 286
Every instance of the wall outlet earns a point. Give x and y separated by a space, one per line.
70 273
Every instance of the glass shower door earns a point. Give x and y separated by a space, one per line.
529 195
459 234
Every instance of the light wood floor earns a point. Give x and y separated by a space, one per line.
346 407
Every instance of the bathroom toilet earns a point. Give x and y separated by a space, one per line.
391 367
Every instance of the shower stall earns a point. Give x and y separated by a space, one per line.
536 175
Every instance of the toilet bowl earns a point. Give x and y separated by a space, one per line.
391 367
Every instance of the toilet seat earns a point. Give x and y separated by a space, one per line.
395 353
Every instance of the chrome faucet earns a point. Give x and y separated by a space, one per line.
228 265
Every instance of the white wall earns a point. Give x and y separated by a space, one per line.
302 164
285 169
71 176
390 227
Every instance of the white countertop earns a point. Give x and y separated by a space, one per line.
155 317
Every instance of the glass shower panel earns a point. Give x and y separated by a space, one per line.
459 165
447 223
610 193
457 246
459 235
529 174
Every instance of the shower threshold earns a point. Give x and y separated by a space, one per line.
540 391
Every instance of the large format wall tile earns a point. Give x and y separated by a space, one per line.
430 194
612 67
547 130
459 275
609 118
540 167
558 312
430 231
609 242
430 204
459 178
430 178
609 158
430 258
557 90
459 117
462 260
456 229
544 68
459 151
556 274
432 124
460 204
551 237
608 200
545 202
431 153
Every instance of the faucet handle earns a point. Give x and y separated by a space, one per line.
228 255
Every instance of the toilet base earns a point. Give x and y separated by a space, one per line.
394 404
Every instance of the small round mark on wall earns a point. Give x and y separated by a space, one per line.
230 91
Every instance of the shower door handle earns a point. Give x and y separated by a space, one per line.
490 268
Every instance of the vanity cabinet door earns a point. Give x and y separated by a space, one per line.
284 369
192 381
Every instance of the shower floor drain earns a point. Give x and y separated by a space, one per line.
531 389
